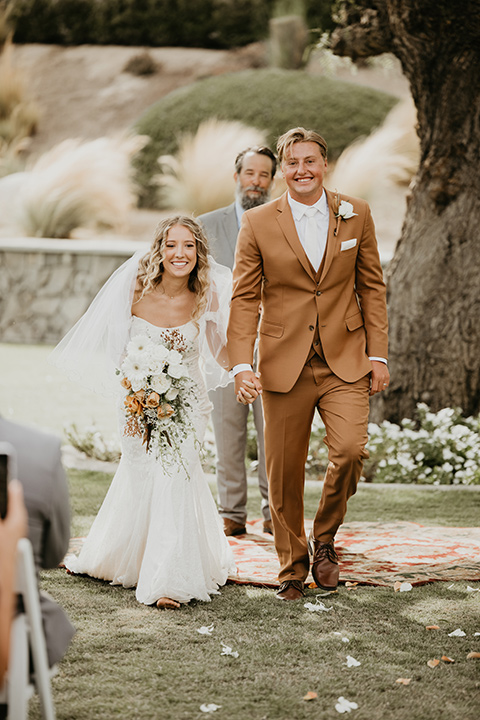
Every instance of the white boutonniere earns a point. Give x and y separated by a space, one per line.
343 211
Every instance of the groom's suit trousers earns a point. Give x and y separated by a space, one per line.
344 410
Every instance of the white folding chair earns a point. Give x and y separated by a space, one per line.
27 630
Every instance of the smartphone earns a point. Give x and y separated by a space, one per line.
8 470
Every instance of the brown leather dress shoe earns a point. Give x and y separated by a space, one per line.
290 590
268 527
230 527
325 564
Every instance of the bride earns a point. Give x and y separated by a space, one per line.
155 335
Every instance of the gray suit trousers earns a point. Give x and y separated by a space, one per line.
230 425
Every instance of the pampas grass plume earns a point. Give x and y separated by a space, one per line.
79 184
18 114
199 178
380 167
390 154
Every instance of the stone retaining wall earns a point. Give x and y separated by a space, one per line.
46 285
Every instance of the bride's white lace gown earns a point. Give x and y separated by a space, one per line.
158 529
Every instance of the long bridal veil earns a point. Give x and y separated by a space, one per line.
92 350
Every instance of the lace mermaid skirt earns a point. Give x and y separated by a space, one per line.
158 528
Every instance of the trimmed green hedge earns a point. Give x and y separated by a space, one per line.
154 23
273 100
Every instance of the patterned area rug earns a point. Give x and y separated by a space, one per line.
369 553
373 554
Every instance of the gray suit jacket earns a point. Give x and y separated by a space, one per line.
46 498
221 227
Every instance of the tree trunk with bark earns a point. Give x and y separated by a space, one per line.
434 278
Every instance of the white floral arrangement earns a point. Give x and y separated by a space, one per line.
159 390
441 448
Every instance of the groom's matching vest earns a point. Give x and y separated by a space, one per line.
316 348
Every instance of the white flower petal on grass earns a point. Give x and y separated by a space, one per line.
476 634
343 705
228 651
317 607
470 589
209 708
406 587
351 662
457 633
205 629
344 639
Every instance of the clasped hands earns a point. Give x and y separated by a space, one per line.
247 386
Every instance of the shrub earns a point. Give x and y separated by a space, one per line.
141 64
92 444
440 448
272 100
187 23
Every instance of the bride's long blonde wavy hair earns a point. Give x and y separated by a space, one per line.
150 269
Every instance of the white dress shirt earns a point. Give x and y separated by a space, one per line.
322 222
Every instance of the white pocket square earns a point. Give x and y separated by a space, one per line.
347 244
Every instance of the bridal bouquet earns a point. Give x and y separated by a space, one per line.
159 389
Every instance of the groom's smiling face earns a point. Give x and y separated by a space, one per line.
304 168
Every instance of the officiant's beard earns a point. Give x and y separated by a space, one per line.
246 201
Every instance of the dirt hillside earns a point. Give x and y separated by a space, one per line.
84 91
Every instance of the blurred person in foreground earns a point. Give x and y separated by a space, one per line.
12 528
45 490
311 260
154 338
255 169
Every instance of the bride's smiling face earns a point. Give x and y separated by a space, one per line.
180 252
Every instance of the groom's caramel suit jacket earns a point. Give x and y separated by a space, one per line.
346 297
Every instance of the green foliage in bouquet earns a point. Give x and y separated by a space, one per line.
270 99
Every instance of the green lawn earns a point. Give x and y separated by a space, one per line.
132 661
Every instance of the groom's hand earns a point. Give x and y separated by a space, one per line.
247 387
379 377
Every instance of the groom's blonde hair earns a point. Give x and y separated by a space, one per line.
299 134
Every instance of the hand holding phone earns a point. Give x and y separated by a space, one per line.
8 471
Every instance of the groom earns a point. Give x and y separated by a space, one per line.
310 260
